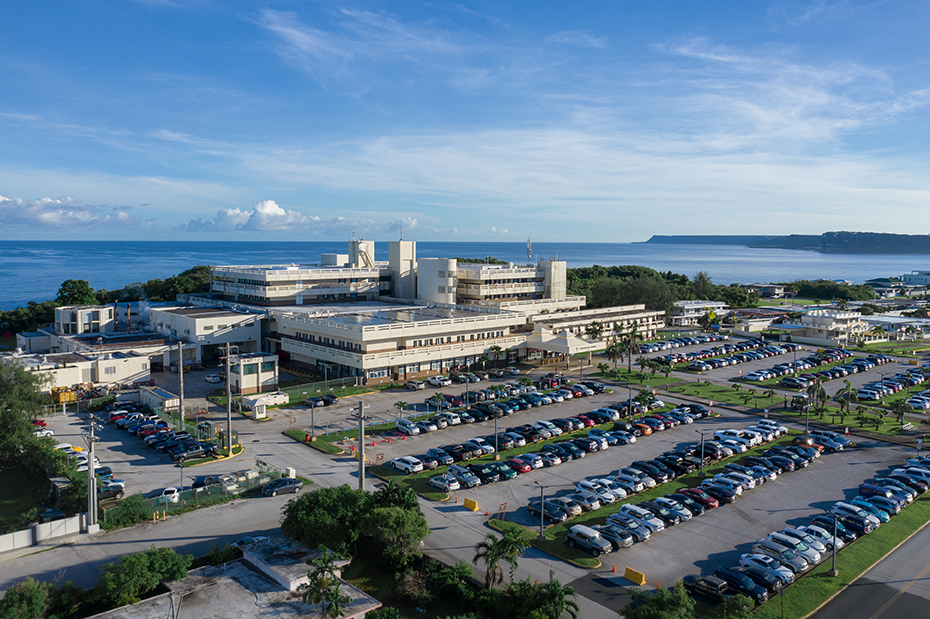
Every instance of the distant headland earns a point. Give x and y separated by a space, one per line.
826 243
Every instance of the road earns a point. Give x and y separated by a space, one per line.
898 586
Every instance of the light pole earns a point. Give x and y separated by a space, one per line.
91 473
542 510
807 413
833 571
229 448
497 455
325 379
702 432
312 421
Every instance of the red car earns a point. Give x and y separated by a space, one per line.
587 421
701 497
143 432
38 422
519 466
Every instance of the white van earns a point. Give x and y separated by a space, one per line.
643 516
768 423
732 435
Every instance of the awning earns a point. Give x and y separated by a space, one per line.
562 344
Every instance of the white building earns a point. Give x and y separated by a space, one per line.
825 327
917 278
254 373
206 329
70 369
395 341
687 313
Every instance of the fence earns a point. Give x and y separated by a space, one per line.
229 485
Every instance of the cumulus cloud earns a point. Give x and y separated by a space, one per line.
65 213
265 216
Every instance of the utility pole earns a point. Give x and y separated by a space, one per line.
229 449
91 474
181 381
360 415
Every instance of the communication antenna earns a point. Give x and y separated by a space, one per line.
529 251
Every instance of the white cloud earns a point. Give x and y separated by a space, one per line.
265 216
65 214
577 37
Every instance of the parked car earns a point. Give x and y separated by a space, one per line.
283 485
552 512
406 465
586 538
445 483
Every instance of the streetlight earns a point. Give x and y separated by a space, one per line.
542 510
807 413
833 571
702 432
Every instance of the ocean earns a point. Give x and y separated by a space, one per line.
34 270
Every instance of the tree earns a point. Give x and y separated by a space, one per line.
703 288
324 589
484 360
76 292
735 607
395 495
492 550
496 352
27 599
327 517
134 575
555 600
397 532
643 362
614 352
901 408
660 603
400 405
594 331
21 400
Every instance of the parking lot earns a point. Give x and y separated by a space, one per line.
699 545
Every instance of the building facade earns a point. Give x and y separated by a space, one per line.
687 313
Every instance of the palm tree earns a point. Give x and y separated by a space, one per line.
642 361
484 359
876 331
770 394
556 600
614 352
603 368
845 395
324 589
594 331
492 550
496 352
400 405
900 409
526 381
437 399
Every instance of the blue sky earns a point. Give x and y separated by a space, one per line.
560 121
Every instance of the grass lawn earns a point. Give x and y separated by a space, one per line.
319 444
637 378
725 394
802 597
896 348
20 492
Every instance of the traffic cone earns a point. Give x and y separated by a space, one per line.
614 568
389 440
487 513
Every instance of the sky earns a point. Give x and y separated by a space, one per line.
560 121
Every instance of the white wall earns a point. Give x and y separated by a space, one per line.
436 280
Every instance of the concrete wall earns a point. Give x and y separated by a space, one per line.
39 533
403 262
436 280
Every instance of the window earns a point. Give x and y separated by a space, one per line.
441 275
208 327
442 289
222 326
435 365
251 368
109 371
379 373
413 367
268 366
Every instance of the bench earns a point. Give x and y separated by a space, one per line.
907 426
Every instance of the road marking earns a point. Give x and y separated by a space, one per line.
899 593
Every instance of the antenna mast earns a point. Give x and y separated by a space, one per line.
529 251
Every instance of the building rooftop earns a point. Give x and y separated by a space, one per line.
262 584
204 312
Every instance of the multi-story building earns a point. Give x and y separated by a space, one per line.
917 278
686 313
825 327
206 329
69 368
493 282
612 320
397 341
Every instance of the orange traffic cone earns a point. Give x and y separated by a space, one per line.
614 568
389 441
456 498
487 513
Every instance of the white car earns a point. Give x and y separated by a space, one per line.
676 508
588 500
415 385
845 509
164 495
511 370
553 429
407 427
213 378
766 562
605 496
439 381
623 438
446 483
43 432
406 465
485 447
